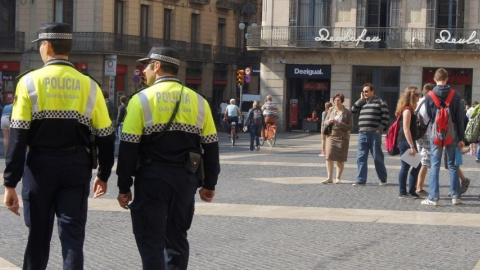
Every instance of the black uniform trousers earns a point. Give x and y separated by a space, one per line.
56 183
162 212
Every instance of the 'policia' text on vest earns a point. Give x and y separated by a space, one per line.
172 97
62 83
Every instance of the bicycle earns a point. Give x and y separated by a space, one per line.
270 135
233 132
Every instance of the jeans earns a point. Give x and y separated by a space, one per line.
254 135
477 155
436 162
402 176
120 127
370 142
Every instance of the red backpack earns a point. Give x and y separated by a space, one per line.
391 140
443 129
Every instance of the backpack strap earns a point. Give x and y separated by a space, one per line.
434 98
449 97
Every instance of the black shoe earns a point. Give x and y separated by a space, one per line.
415 196
464 185
402 196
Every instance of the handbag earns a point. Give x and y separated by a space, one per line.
327 130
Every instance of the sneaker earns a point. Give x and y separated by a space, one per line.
358 184
455 201
464 185
477 160
321 155
338 181
428 202
383 183
402 196
415 196
258 148
327 181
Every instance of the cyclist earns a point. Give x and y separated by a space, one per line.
270 112
232 114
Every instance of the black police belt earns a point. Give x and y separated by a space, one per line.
58 150
149 161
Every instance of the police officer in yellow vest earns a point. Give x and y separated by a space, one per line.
56 110
165 184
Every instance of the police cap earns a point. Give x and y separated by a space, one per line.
54 30
163 54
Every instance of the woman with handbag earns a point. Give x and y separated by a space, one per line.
337 126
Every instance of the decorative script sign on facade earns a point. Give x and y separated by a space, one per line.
324 35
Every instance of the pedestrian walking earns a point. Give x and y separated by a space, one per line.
372 120
406 141
341 121
255 122
423 143
442 90
167 129
110 106
56 110
122 111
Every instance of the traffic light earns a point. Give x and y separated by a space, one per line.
240 77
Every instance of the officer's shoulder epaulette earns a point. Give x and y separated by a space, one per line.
23 74
136 92
88 75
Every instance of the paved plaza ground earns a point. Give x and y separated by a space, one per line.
272 212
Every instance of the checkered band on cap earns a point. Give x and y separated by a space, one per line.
164 58
55 36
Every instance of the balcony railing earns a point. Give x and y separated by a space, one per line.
226 4
368 37
201 2
12 41
224 54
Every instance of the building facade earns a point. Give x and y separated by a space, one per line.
110 35
313 49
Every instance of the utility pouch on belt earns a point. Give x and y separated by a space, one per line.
92 149
193 162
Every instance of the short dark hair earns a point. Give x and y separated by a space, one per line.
105 94
372 87
123 99
61 46
341 96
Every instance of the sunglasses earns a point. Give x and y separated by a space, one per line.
149 63
417 94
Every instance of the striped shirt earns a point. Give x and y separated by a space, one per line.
373 114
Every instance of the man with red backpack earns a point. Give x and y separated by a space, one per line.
452 102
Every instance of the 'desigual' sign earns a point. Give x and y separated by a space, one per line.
308 71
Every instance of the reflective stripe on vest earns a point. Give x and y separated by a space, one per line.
147 112
32 92
92 97
201 112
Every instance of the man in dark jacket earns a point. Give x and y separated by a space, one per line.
456 111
